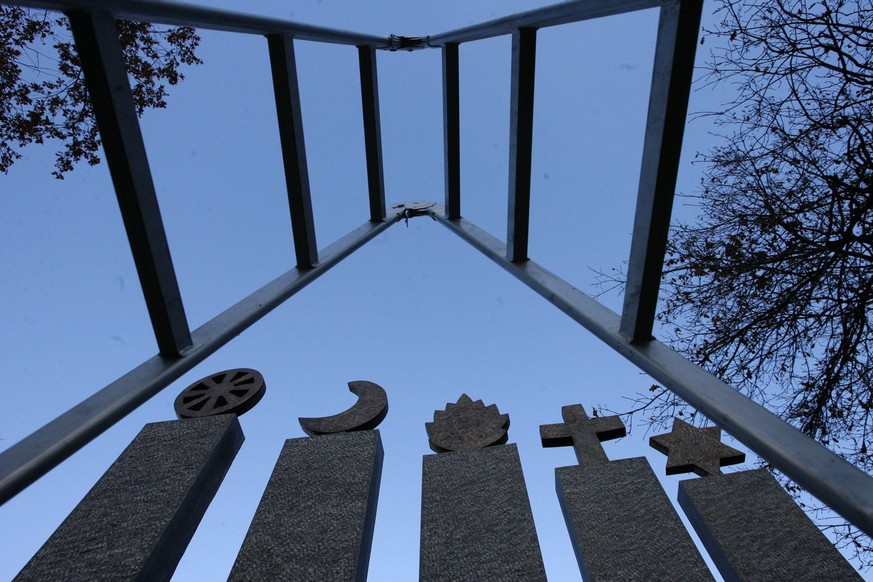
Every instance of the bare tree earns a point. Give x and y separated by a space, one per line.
771 288
42 92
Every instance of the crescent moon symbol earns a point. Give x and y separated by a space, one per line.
365 414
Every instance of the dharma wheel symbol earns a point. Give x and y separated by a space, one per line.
229 392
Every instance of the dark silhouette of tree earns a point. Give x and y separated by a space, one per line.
771 288
42 91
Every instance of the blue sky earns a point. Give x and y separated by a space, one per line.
417 310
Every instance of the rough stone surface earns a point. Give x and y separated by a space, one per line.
136 522
316 517
476 522
622 525
753 530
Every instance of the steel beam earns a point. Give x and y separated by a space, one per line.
839 484
372 131
181 14
290 116
28 460
521 110
105 74
541 18
668 104
452 129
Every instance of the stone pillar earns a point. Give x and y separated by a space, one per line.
315 520
753 530
621 523
750 526
316 517
476 521
136 522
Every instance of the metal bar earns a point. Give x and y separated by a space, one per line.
541 18
181 14
452 129
668 104
521 110
106 78
32 457
290 116
372 131
845 488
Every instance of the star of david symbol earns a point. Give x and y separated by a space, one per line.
695 449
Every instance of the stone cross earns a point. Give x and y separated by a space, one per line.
621 523
584 434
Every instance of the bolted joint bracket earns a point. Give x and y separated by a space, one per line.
415 208
406 43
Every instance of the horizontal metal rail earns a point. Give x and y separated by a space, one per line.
839 484
541 18
35 455
180 14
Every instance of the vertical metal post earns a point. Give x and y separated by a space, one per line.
520 142
290 116
106 77
372 131
668 103
452 129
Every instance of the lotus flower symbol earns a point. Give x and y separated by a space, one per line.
467 424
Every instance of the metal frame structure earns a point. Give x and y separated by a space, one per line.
845 488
